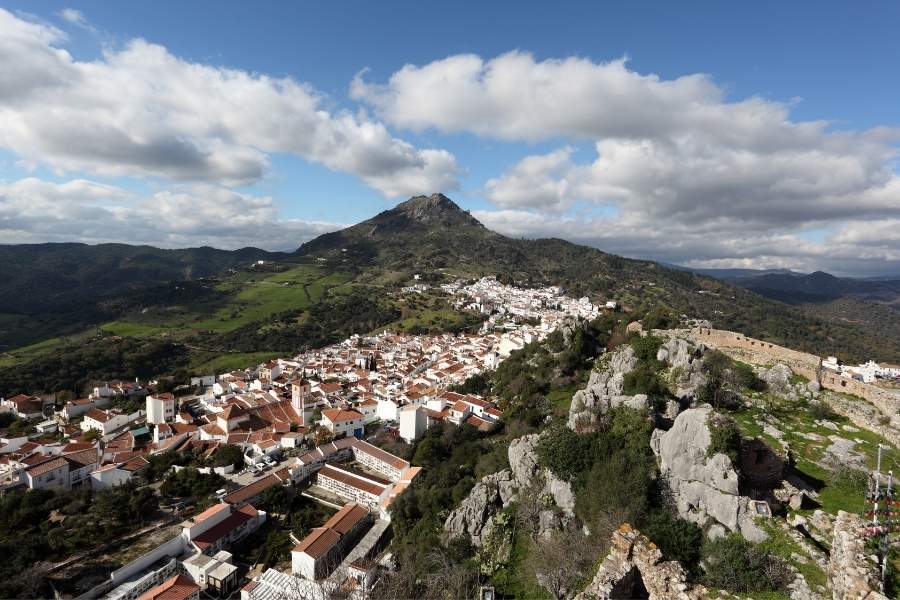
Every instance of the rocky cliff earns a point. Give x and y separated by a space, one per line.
475 516
705 488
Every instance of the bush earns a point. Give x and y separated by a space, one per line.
566 453
725 438
646 347
678 539
820 411
644 379
733 564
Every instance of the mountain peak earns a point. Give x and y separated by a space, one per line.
429 209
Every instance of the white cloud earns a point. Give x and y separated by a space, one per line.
141 111
690 174
75 17
34 210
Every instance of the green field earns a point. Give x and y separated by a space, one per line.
26 353
255 299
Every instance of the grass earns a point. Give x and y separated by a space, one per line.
809 455
26 353
256 299
246 297
132 329
560 399
780 543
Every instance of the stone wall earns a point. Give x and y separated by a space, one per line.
852 572
759 352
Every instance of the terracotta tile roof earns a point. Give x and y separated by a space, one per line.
179 587
344 520
251 490
352 480
209 512
83 458
46 466
319 542
378 453
97 415
135 464
229 524
337 415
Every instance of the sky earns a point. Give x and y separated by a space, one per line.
707 134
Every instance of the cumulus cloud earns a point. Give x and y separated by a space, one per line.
675 159
34 210
141 111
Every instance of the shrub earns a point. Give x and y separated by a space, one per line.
725 438
644 379
678 539
646 347
733 564
819 410
566 453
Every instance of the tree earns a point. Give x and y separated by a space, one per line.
559 560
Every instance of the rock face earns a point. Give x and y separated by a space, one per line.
634 569
474 517
527 473
687 369
778 378
604 390
705 488
851 572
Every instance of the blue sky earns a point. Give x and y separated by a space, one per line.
744 80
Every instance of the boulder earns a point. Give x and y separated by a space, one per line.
705 488
778 378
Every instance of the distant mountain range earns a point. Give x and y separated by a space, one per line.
799 288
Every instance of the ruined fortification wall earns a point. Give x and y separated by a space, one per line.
759 352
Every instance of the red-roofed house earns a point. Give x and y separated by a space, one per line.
317 555
338 421
24 407
220 526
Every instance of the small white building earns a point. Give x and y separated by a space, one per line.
107 421
338 421
160 408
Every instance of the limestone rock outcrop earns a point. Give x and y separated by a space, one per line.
528 474
852 572
604 389
684 359
705 488
634 568
473 516
778 378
